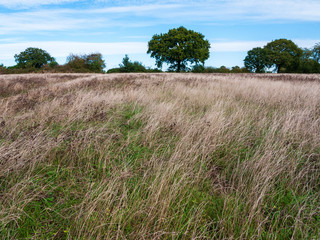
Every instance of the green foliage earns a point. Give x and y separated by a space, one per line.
198 68
2 69
222 69
210 70
33 58
86 63
128 66
179 47
308 62
316 53
256 60
114 70
309 66
284 55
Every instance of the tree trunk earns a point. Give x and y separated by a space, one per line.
179 66
279 67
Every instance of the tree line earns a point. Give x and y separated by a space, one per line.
182 50
285 56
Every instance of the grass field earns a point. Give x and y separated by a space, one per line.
160 156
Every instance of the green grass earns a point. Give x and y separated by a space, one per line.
108 176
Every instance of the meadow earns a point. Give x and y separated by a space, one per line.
160 156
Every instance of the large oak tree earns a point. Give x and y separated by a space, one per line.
284 55
178 48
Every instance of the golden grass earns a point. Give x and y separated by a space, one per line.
159 156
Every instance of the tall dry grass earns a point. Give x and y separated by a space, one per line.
159 156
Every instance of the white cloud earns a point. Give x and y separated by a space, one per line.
63 49
307 10
144 13
31 3
244 46
142 9
44 20
249 10
189 10
236 46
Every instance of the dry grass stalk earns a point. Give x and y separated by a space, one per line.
159 156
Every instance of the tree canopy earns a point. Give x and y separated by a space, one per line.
256 60
86 63
283 54
179 47
33 57
128 66
316 52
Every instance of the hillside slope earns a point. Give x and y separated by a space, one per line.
159 156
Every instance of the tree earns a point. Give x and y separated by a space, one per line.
179 47
284 55
222 69
316 52
198 68
128 66
33 58
2 68
256 60
86 63
237 69
95 62
308 63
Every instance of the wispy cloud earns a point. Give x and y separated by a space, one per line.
63 49
188 11
307 10
59 26
244 46
140 9
74 19
31 3
236 46
45 20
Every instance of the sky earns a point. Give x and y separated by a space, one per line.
116 28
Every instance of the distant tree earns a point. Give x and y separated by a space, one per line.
179 47
209 70
95 62
128 66
154 70
2 68
33 58
198 68
256 60
308 64
306 53
86 63
114 70
222 69
316 52
284 55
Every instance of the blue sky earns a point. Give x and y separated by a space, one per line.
116 28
